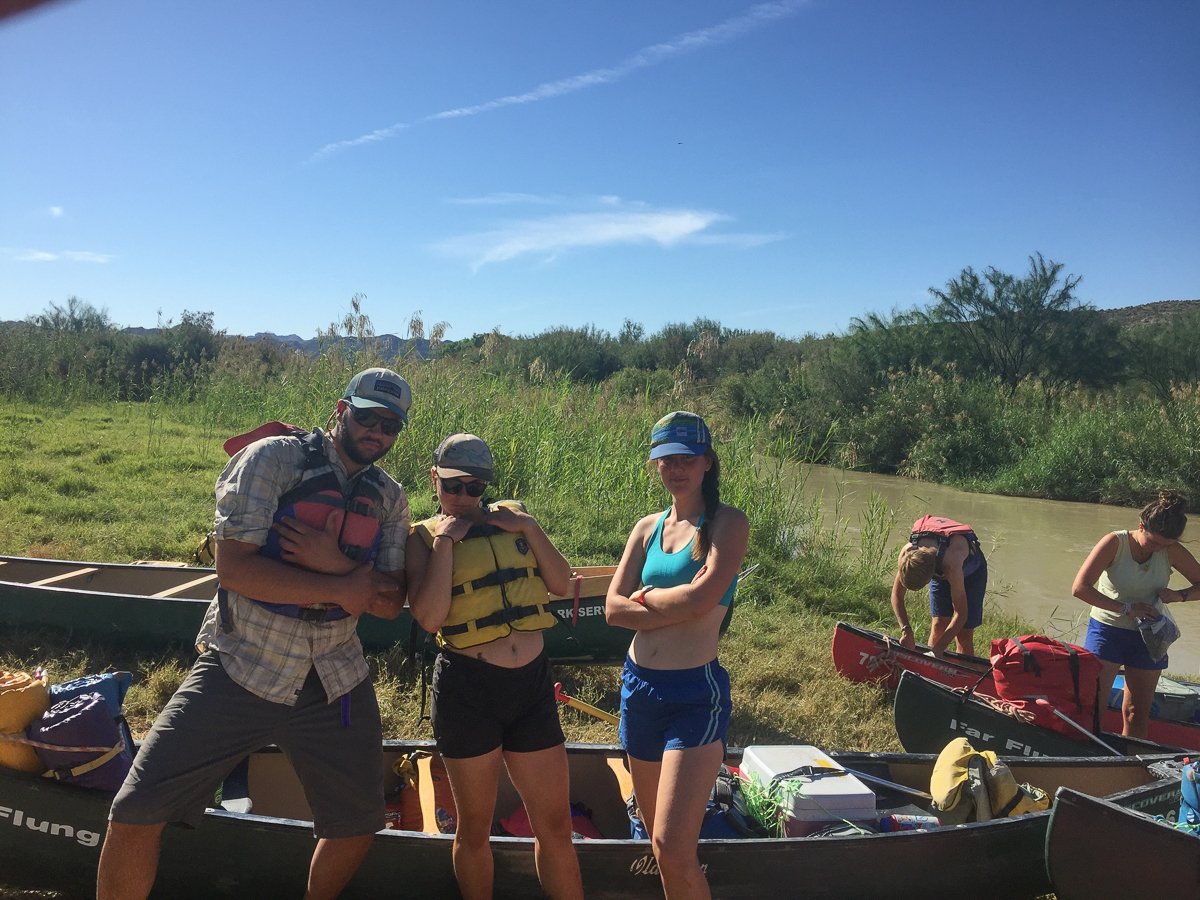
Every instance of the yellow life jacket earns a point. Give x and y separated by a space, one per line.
969 785
497 586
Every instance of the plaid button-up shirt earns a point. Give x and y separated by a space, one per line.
269 654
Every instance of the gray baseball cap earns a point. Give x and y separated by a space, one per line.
463 454
380 388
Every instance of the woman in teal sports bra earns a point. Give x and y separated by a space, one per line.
673 585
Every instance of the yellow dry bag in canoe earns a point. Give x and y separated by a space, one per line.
973 786
22 699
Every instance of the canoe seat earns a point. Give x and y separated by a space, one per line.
186 586
65 576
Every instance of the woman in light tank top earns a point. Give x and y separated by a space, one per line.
673 587
1121 578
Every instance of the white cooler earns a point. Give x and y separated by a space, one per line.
823 799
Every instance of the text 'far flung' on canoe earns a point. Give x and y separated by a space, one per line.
156 607
929 715
259 843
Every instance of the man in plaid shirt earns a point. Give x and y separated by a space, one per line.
280 657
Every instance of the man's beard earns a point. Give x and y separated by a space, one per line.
352 449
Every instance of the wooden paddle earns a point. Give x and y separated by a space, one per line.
584 707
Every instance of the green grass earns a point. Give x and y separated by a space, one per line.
119 482
110 481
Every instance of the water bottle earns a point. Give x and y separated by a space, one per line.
908 823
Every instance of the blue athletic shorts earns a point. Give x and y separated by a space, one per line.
975 582
1120 645
672 709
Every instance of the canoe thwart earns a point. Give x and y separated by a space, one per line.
186 586
65 576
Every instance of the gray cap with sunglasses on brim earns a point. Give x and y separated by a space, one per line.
380 389
463 454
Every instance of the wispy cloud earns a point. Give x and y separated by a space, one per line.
56 212
29 255
554 234
754 18
504 198
625 224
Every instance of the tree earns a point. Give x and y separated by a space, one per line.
1015 327
77 317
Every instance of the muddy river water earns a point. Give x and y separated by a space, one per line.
1033 547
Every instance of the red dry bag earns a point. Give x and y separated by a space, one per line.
1066 676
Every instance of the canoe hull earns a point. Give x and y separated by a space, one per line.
860 654
113 604
1083 829
239 855
928 716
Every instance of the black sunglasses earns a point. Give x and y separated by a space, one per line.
368 418
456 486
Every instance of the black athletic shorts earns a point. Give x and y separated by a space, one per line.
478 707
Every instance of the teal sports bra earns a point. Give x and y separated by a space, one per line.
664 570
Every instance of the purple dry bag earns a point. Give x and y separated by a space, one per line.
90 750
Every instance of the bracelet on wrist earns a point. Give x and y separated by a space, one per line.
1127 609
1184 593
906 629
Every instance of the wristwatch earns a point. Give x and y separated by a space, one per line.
904 628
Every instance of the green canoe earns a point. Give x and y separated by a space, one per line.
929 715
50 834
153 607
1149 858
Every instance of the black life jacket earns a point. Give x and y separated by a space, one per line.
319 492
942 530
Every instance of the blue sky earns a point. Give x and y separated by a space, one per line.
522 165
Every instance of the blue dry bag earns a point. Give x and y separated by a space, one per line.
110 685
1189 805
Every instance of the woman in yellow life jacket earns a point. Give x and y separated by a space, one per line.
673 586
478 577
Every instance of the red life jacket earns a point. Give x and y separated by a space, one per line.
943 530
1039 666
318 493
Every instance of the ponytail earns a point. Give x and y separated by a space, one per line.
711 490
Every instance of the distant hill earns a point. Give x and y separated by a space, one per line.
1159 313
390 345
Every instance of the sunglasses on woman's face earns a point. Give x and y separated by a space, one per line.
368 418
456 486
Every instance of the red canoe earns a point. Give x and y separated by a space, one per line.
864 655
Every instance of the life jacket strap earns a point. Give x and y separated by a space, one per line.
500 617
492 579
943 541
